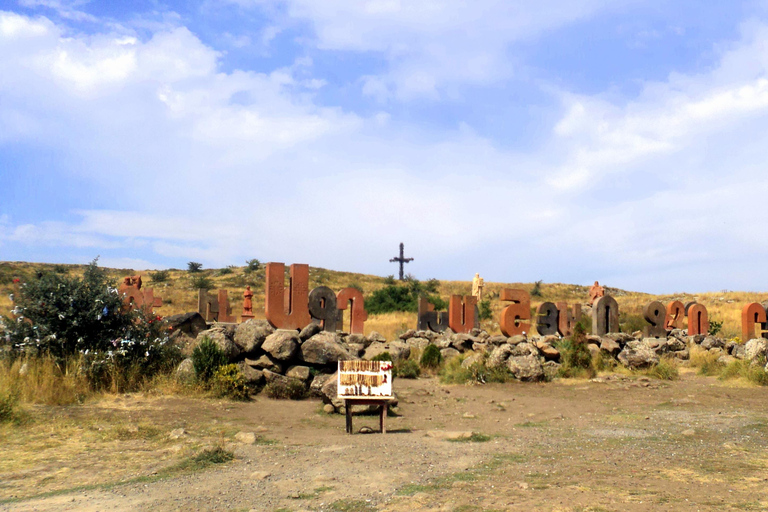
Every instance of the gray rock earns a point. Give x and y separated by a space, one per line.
324 348
524 349
483 348
593 349
683 355
410 333
462 342
755 348
252 375
246 437
712 342
636 354
356 339
549 352
309 331
190 324
220 338
675 345
497 339
591 338
185 372
526 368
375 337
282 344
610 346
551 369
315 388
658 345
517 338
298 372
725 359
697 339
442 341
374 349
356 349
472 359
449 353
250 335
399 350
419 343
739 351
265 362
499 356
329 392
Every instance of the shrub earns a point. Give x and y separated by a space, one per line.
431 357
575 357
536 290
666 369
454 373
207 357
754 373
356 286
9 401
403 296
390 280
224 271
228 381
629 322
201 282
384 356
159 276
485 310
406 369
194 266
252 265
715 327
282 389
705 361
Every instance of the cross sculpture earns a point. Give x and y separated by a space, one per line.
401 260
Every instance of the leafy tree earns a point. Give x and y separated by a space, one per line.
194 266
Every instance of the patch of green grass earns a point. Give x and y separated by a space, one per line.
476 437
205 459
754 373
666 369
144 432
533 424
348 505
312 495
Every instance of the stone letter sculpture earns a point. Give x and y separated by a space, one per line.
675 315
357 314
225 311
605 316
287 310
135 297
698 319
567 319
595 293
513 317
461 313
429 319
546 318
322 307
753 314
655 314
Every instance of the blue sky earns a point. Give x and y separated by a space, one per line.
566 141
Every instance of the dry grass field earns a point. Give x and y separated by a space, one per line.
180 296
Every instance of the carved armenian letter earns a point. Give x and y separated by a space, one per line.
546 318
655 314
429 319
358 315
567 318
698 319
605 316
322 307
675 315
513 317
461 313
751 315
225 310
287 310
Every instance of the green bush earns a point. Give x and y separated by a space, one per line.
224 271
536 290
715 327
404 296
666 369
575 357
9 402
201 282
754 373
485 310
160 276
287 388
228 381
384 356
207 357
194 266
431 357
630 323
454 373
252 265
406 369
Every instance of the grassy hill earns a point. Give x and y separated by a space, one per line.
177 289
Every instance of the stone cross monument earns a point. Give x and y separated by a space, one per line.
401 260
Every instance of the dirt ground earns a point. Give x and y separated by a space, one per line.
615 443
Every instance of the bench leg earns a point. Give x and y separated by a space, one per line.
348 408
383 419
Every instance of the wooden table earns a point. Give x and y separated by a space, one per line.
381 402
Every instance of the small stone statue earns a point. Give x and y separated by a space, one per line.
478 283
595 293
247 304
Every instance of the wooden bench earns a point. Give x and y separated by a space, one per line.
381 402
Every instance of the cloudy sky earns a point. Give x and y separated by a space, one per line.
621 140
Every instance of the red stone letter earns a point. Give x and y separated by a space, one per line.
461 313
511 321
675 314
291 310
357 315
698 320
567 319
752 314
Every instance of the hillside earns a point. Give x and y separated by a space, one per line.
180 296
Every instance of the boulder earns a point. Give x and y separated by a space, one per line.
497 339
252 375
449 353
225 343
190 324
324 348
472 359
270 376
462 342
309 331
712 342
483 348
282 344
739 351
185 342
315 388
594 350
185 372
524 349
357 339
697 338
526 368
298 372
636 354
329 392
591 338
410 333
610 346
374 349
725 359
399 350
499 356
419 343
442 341
551 369
550 353
675 344
265 362
755 348
658 345
356 349
517 338
376 337
682 354
250 335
